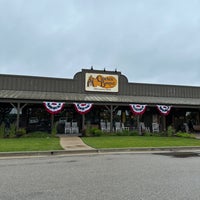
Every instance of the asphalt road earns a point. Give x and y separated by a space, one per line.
101 177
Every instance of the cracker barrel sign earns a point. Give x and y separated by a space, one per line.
101 82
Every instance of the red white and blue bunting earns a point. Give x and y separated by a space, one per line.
137 109
54 107
83 108
163 109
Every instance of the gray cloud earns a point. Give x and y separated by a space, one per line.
148 41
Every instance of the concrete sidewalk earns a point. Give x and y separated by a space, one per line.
197 135
73 143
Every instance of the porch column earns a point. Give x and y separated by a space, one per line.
138 124
111 118
111 110
18 113
164 123
18 108
83 122
52 121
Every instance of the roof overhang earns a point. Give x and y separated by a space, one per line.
37 96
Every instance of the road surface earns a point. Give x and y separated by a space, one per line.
101 177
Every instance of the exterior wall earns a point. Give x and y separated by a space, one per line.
163 90
76 85
28 83
57 86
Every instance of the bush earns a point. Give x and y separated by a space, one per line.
147 133
53 130
158 134
170 131
185 135
39 134
127 133
90 132
2 128
122 133
133 133
7 132
12 130
97 132
20 132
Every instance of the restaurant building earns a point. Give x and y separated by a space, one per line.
94 97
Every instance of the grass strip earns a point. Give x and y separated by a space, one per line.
29 144
138 141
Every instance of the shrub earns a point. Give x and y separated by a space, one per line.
9 132
170 131
97 132
20 132
125 132
39 134
2 128
89 132
159 134
185 135
133 133
147 133
122 133
53 130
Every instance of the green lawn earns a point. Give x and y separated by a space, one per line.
138 141
52 143
29 144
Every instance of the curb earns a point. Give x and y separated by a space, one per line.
46 153
150 149
90 151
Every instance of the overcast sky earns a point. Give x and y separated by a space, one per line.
149 41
